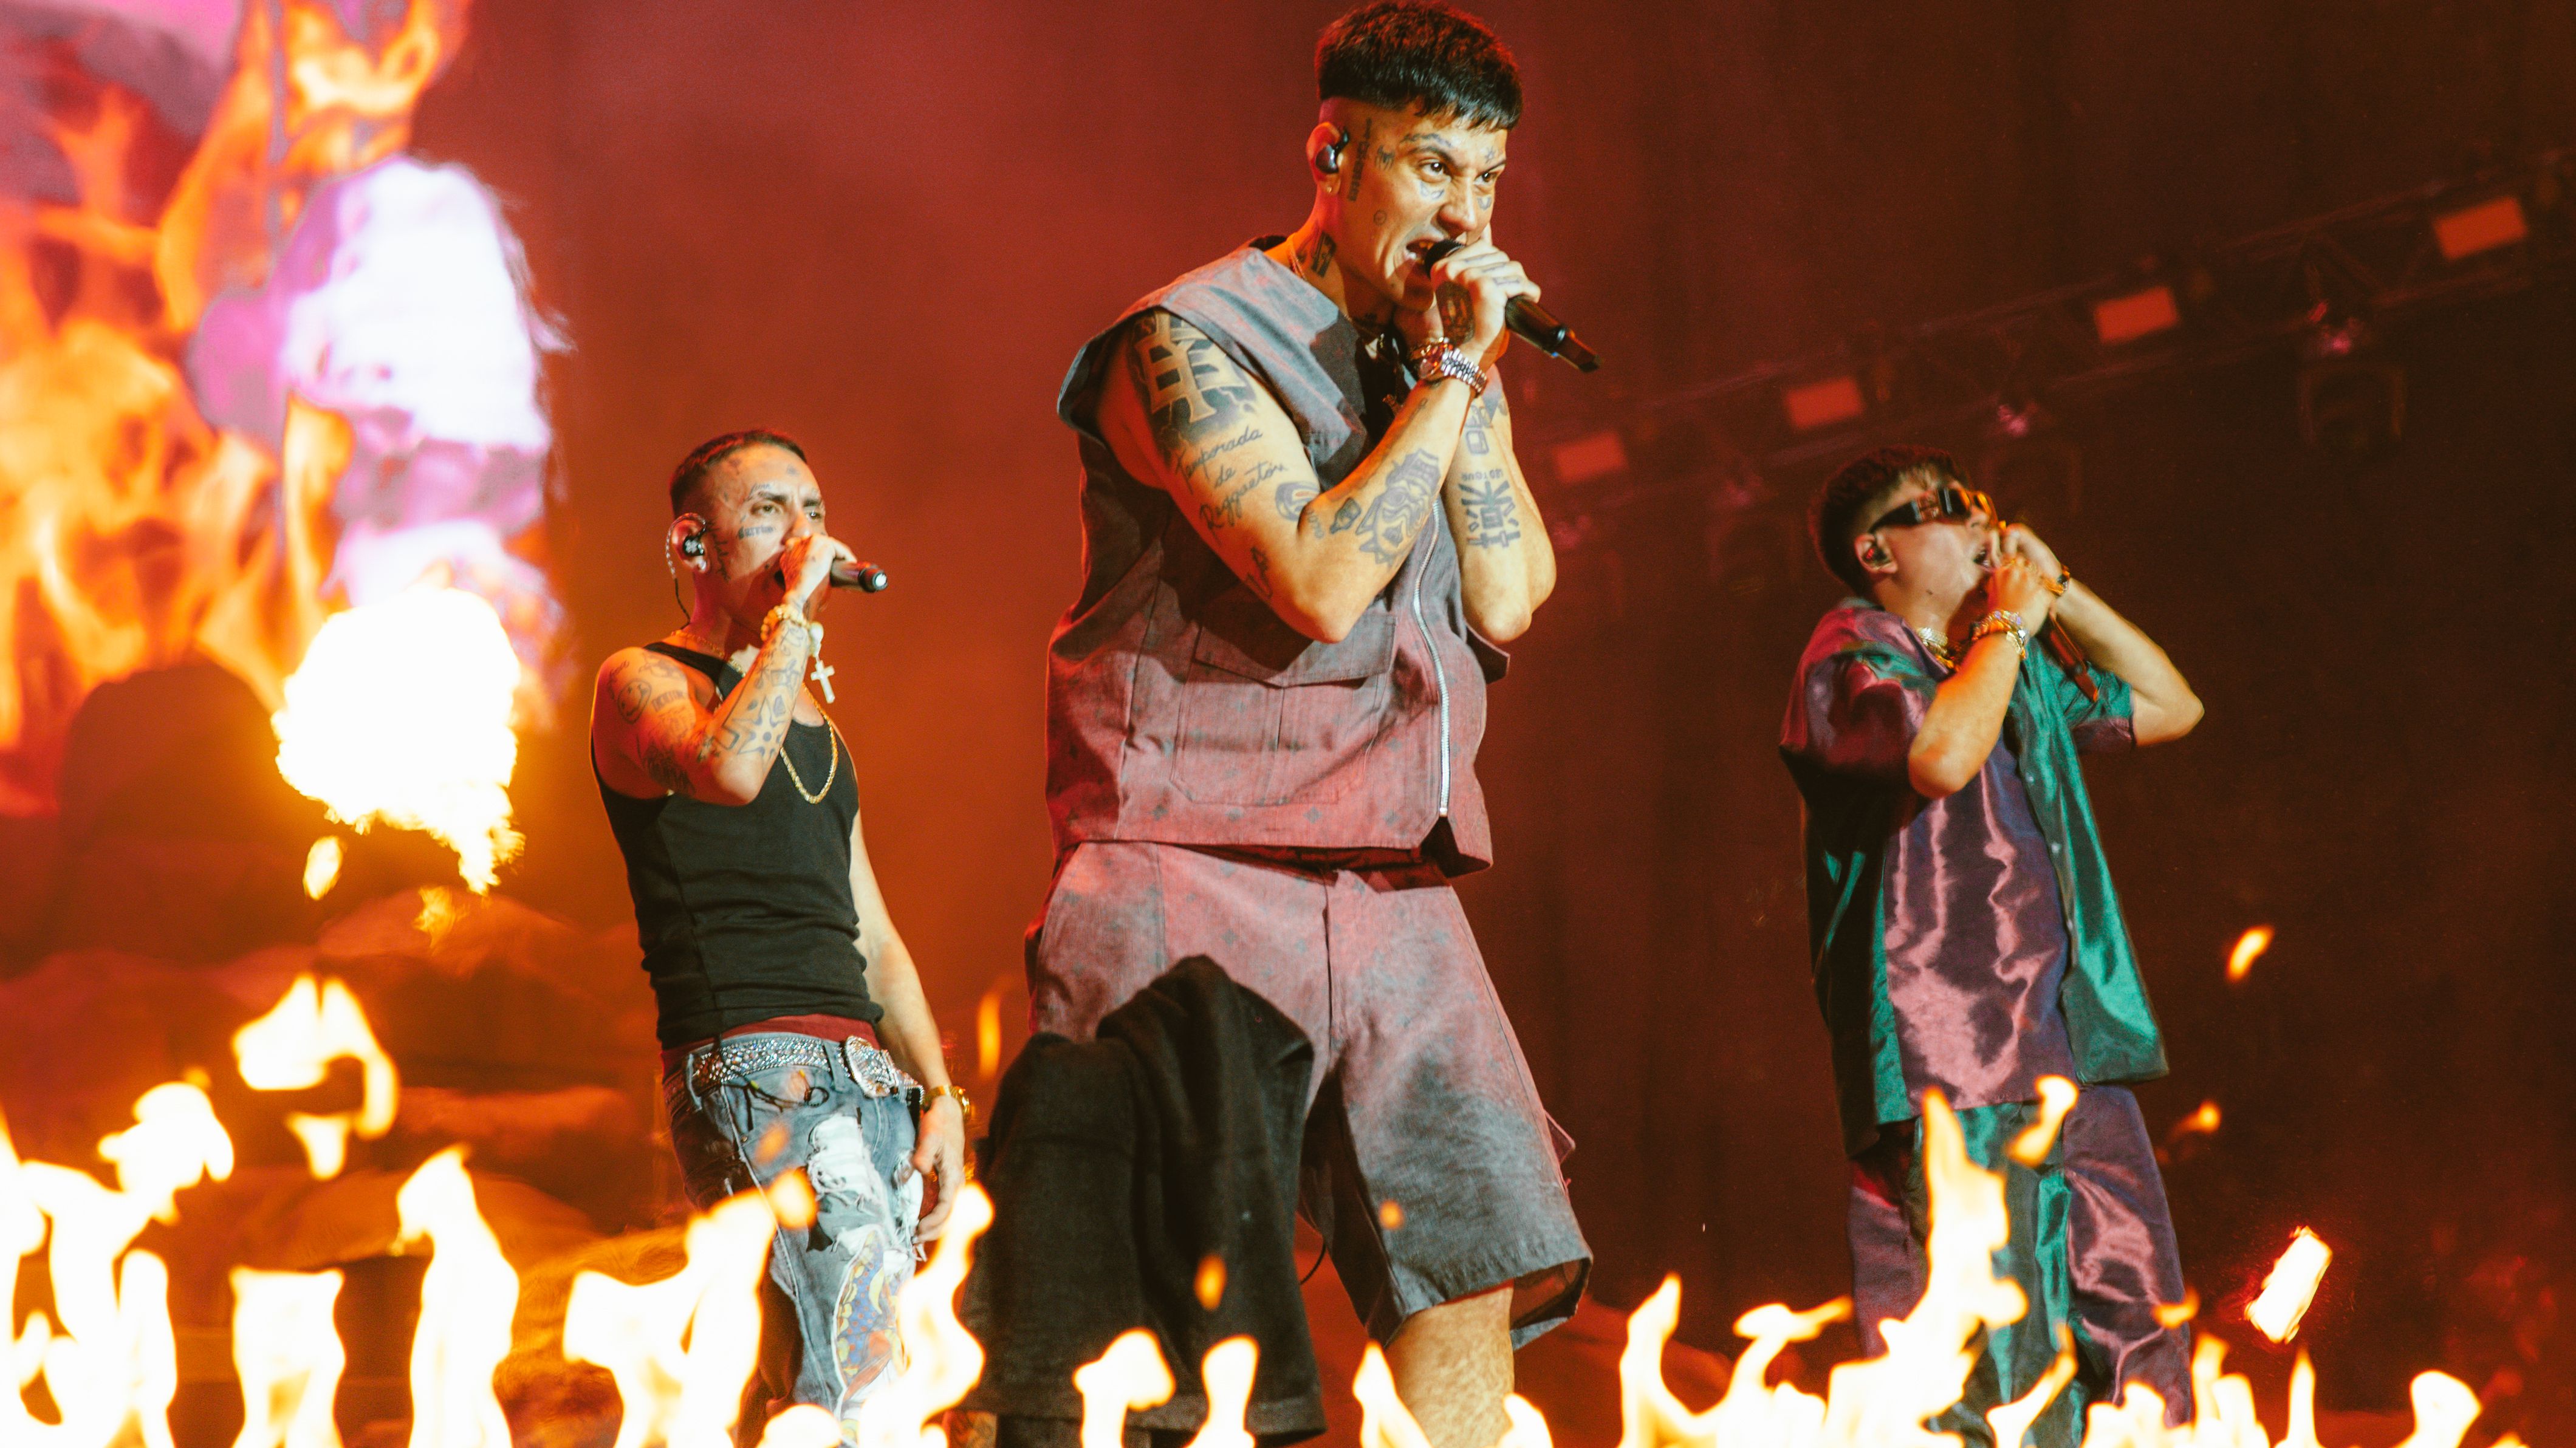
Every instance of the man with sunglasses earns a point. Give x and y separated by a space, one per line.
1966 937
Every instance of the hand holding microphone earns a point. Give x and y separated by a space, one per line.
1522 314
808 564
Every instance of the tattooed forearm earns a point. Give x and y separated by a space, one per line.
1491 508
1387 523
1191 391
1259 580
1487 503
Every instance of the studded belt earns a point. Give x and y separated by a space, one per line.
874 1070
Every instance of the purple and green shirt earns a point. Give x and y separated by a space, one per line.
1972 943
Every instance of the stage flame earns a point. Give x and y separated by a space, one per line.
681 1348
466 1301
1130 1377
108 1358
292 1048
400 714
2249 948
322 867
287 1354
2291 1286
2056 1098
943 1359
2203 1122
136 533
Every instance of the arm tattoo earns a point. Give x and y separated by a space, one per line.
1388 522
1259 582
1191 391
1485 495
1493 511
1293 496
1227 510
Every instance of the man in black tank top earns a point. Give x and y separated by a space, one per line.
795 1035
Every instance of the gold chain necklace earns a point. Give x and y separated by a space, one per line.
834 731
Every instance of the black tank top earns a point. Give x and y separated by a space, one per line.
744 911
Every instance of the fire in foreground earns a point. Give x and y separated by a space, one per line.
680 1349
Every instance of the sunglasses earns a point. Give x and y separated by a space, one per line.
1951 502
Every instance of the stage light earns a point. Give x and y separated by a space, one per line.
2137 314
2352 401
1822 404
1596 456
2483 227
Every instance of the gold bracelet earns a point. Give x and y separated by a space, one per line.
965 1103
785 617
2057 586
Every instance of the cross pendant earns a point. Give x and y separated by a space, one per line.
823 676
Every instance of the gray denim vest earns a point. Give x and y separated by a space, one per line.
1180 709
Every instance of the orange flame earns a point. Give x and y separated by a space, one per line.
2291 1286
2203 1122
1130 1377
802 1426
287 1354
400 714
681 1348
322 867
2249 948
988 1032
466 1300
134 535
2444 1409
2056 1098
291 1049
111 1362
1228 1370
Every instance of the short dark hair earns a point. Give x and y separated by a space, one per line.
1400 53
1842 506
703 458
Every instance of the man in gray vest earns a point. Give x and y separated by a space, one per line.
1304 534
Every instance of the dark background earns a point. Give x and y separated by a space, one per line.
886 229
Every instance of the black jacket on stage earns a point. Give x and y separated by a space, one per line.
1117 1166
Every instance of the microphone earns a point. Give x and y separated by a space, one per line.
865 577
1531 322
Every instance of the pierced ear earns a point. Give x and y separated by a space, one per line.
1873 554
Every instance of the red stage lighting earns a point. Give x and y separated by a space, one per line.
2483 227
1822 404
1596 456
2139 314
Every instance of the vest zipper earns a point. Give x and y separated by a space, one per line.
1439 682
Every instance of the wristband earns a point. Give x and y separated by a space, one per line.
2057 586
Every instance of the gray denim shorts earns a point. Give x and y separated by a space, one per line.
1429 1166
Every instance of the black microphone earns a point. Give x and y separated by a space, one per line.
1531 322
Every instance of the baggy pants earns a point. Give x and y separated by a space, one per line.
2092 1248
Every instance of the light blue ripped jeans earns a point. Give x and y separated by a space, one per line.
746 1109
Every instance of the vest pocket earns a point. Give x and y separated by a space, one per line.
1266 722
